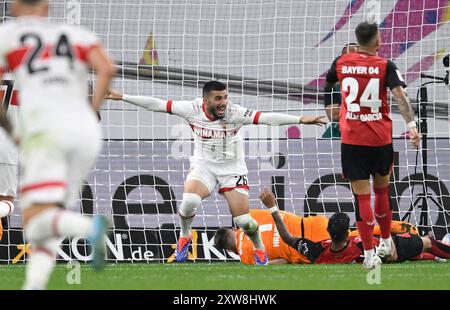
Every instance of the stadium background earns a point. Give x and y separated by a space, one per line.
273 53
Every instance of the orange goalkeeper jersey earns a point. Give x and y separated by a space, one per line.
314 228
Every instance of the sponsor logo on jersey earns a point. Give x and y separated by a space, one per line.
248 113
213 134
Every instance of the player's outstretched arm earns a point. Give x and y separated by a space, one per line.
149 103
268 199
278 261
405 108
277 119
100 62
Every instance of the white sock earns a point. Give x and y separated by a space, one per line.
257 240
6 208
368 253
386 241
185 224
40 266
251 228
188 208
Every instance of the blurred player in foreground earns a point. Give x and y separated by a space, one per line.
342 248
218 155
59 133
366 130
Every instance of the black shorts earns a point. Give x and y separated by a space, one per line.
359 162
408 246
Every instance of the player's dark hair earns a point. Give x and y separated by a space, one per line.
365 33
338 226
221 238
211 86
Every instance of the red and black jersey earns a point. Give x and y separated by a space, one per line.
321 252
364 115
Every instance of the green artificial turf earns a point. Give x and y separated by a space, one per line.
202 276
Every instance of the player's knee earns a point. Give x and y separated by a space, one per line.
49 247
190 204
426 241
247 223
38 228
8 206
11 210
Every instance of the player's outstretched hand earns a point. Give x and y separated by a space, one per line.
267 197
113 95
414 137
313 120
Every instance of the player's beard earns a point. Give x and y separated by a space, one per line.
213 111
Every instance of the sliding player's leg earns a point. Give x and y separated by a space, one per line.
365 221
435 247
238 203
8 176
8 191
6 209
6 205
199 184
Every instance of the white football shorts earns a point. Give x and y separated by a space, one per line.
54 165
227 176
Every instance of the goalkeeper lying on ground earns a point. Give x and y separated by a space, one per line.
279 228
343 248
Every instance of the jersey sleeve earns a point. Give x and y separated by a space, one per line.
89 39
308 248
332 77
85 42
183 109
393 76
244 116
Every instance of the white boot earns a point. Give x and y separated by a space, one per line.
385 247
371 260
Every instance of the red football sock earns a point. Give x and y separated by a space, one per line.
424 256
383 212
364 220
439 249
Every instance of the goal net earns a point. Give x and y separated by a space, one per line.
273 55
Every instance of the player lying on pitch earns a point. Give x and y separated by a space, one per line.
342 248
234 240
218 158
313 228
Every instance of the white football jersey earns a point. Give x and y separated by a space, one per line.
10 102
49 64
216 141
